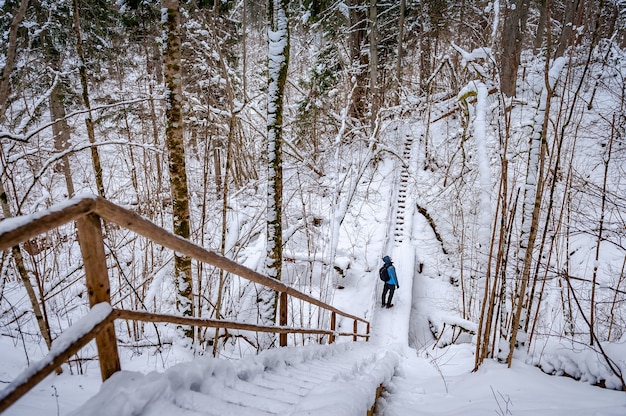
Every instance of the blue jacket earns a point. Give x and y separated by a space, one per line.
393 278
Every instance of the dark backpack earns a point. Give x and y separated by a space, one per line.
383 273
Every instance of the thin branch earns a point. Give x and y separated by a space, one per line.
26 137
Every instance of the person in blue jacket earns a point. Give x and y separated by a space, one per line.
391 284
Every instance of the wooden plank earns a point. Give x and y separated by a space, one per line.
140 225
351 334
283 318
17 390
19 229
98 288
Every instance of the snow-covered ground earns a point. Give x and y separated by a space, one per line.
419 379
428 381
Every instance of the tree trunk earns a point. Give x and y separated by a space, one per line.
9 62
153 71
511 45
374 93
357 22
174 142
606 160
61 134
278 63
568 34
533 195
400 50
60 129
541 25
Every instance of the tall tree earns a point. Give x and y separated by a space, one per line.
278 63
571 19
9 60
374 91
400 51
515 15
174 141
357 33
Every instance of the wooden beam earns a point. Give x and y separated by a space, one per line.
19 229
98 288
283 318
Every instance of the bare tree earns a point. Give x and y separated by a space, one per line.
82 70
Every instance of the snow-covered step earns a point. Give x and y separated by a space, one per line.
402 190
282 381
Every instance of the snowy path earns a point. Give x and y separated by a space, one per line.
391 326
314 380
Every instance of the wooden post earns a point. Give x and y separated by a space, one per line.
283 318
368 331
355 328
98 288
333 322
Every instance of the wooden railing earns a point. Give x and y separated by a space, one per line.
88 211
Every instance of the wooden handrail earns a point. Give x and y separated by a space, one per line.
17 230
86 211
134 222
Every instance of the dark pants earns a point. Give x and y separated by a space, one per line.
388 288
